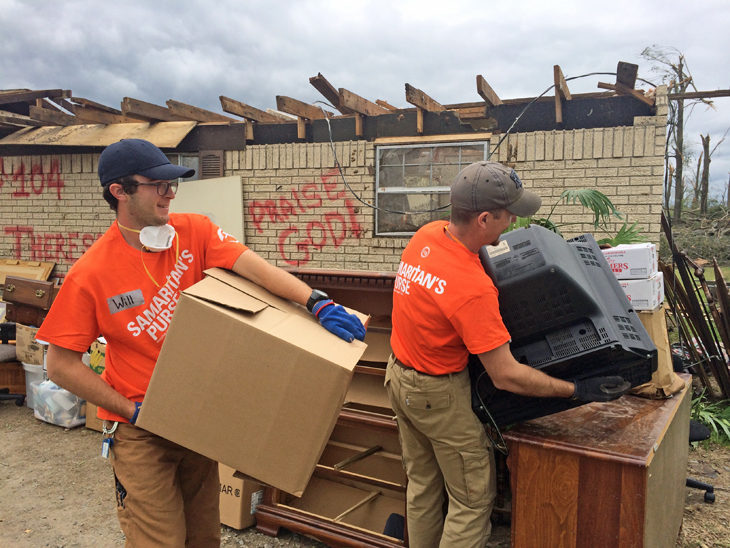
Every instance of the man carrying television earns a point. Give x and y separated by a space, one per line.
445 307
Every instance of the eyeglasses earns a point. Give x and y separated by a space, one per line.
162 186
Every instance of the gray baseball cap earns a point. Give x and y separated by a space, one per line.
482 186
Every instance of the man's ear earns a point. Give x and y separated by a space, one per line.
118 191
483 218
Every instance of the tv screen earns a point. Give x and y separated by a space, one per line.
567 315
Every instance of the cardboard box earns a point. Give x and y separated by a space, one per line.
27 348
632 262
92 421
250 380
97 357
645 294
238 499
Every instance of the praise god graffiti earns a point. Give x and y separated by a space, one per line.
282 214
32 180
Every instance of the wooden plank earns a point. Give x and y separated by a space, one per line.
249 130
231 106
418 98
97 106
94 116
626 74
699 94
358 124
300 109
561 86
301 128
486 92
624 90
359 104
61 102
25 96
190 112
19 119
419 121
148 112
329 92
53 117
163 134
385 104
454 138
281 116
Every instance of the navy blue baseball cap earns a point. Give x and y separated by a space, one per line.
137 157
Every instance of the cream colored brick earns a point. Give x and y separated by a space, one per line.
549 146
614 162
588 136
618 142
539 145
235 160
628 142
648 161
559 137
649 137
227 160
597 143
568 139
601 172
76 164
639 133
634 171
578 144
530 147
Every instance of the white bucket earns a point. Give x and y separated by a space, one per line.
33 373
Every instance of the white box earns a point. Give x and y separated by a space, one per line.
632 261
645 294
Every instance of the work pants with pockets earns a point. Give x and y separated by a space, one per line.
167 496
443 443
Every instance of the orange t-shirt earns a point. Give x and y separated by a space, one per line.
108 292
444 305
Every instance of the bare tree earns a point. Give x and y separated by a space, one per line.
704 183
672 67
727 194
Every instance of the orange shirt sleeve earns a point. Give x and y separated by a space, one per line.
70 323
222 249
479 323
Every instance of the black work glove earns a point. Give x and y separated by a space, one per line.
600 389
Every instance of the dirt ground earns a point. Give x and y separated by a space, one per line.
56 490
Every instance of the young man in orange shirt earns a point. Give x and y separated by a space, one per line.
126 287
445 307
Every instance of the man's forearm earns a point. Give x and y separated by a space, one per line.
66 369
278 281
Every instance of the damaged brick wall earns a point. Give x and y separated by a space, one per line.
298 211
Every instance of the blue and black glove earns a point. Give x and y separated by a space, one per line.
137 407
335 319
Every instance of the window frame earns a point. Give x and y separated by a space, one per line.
415 190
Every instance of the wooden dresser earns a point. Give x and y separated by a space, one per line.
602 475
352 493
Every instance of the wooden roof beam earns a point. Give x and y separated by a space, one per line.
486 92
699 94
621 89
148 112
329 92
231 106
418 98
96 106
54 117
385 104
20 120
191 112
300 109
561 93
94 116
626 74
26 96
360 105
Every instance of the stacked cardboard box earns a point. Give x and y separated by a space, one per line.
636 268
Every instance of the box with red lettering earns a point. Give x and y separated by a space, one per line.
632 261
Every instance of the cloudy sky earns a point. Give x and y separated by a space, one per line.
194 51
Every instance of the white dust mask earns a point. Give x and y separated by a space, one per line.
157 238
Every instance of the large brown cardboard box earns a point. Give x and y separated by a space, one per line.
250 380
238 499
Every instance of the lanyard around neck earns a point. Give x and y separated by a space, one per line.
141 253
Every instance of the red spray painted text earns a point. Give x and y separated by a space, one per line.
333 229
59 248
26 179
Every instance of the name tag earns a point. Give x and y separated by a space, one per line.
125 301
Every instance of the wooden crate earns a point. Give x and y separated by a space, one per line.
12 377
602 475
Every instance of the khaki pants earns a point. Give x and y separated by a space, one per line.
443 443
167 496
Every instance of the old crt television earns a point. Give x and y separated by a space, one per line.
567 315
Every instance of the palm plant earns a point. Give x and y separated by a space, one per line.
603 210
716 416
